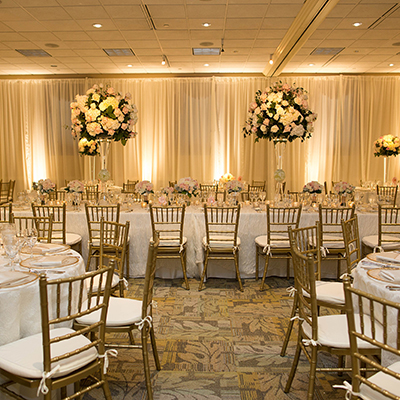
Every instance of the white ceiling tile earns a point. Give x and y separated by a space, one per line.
173 23
275 23
288 10
330 23
380 34
67 27
344 34
79 2
206 11
125 11
48 13
70 60
90 53
202 35
112 44
143 44
105 35
244 23
178 44
85 70
246 11
347 23
198 23
21 45
61 53
82 44
11 37
337 42
341 10
270 34
266 42
126 24
139 35
27 26
147 52
386 50
87 12
369 43
183 52
174 11
389 23
74 35
14 14
4 28
370 10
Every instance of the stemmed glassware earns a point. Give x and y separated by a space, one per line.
12 246
31 236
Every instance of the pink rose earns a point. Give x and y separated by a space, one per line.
124 126
288 128
253 105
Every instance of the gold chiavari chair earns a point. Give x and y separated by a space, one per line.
352 245
128 187
132 182
275 244
327 333
172 183
92 193
258 183
380 314
11 191
4 192
167 223
59 230
332 243
221 241
127 315
6 213
43 226
388 194
61 356
388 237
256 189
296 196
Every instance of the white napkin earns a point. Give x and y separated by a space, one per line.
390 275
388 256
366 264
49 260
49 247
9 276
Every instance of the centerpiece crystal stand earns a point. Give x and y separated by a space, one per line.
279 174
104 174
385 170
92 168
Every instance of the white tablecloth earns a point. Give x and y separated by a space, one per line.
251 225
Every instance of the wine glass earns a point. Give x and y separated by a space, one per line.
31 239
12 246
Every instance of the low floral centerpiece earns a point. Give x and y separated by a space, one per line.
313 187
187 186
168 190
44 186
226 178
343 188
280 112
387 146
88 147
103 113
144 187
75 186
234 186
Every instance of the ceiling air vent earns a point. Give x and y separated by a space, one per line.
326 51
119 52
210 51
34 53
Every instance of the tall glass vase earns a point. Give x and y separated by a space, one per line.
279 174
104 174
92 168
386 171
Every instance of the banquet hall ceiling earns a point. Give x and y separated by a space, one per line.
250 31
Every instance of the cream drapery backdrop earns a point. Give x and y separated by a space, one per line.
193 127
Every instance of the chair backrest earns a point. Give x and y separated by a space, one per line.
351 242
308 241
59 219
330 219
172 183
388 225
43 226
168 222
95 213
114 239
5 213
63 300
222 225
389 194
128 187
92 192
258 183
295 195
256 188
61 195
129 182
204 187
384 315
304 282
4 192
149 277
11 191
279 219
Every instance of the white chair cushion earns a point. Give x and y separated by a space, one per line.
114 282
372 241
71 239
330 292
25 356
262 241
384 381
221 243
332 241
170 242
333 332
121 312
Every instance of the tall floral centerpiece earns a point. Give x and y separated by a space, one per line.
89 148
103 115
187 186
386 146
234 187
280 113
44 187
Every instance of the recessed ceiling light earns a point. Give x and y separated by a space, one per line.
206 24
52 45
311 65
129 65
97 26
166 25
206 65
391 65
357 24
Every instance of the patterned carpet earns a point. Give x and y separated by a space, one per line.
218 344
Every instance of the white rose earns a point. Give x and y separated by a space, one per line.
263 128
276 117
298 130
274 129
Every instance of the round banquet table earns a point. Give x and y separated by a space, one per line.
364 282
20 303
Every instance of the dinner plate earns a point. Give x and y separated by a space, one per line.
12 279
44 248
31 263
377 274
387 258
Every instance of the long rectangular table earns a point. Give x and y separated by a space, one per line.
251 225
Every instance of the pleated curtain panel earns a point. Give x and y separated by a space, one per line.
193 127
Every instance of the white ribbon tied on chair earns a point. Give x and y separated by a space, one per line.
309 342
235 249
349 391
297 317
291 290
126 284
141 323
267 249
46 375
111 352
182 248
324 251
380 248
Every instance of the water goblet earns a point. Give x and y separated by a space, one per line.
31 236
12 246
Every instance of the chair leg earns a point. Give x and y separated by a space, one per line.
287 268
77 389
236 257
294 365
264 273
154 346
183 262
145 354
106 388
204 270
338 269
131 338
257 262
290 326
127 261
313 369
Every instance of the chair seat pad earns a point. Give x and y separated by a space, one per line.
225 242
121 312
372 241
383 380
114 282
330 292
171 242
333 332
70 239
332 241
276 241
25 356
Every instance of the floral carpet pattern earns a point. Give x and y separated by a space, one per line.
218 344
